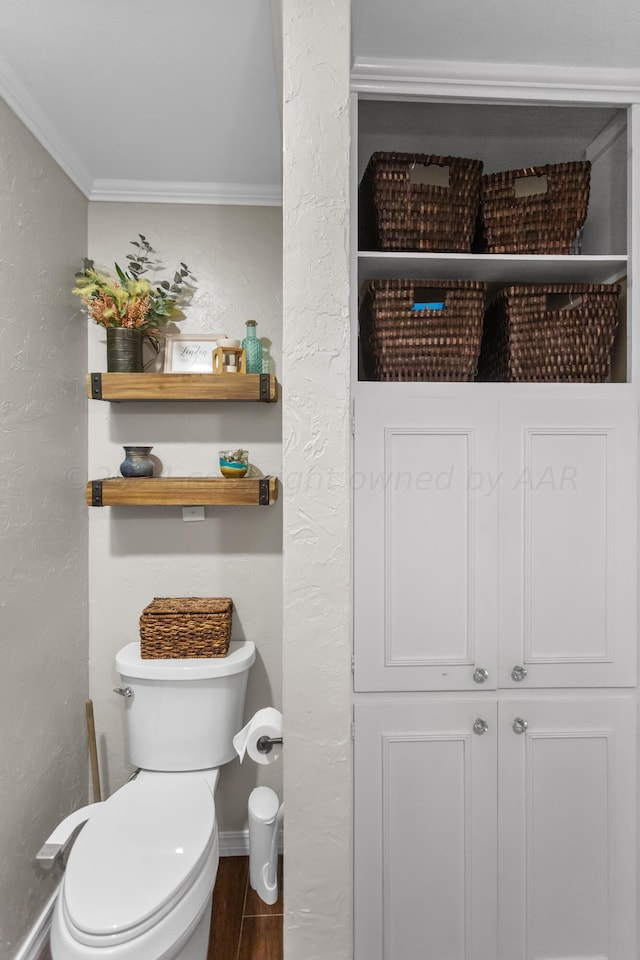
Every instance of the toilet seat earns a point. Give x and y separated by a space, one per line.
143 850
163 939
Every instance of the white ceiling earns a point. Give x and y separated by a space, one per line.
177 99
158 92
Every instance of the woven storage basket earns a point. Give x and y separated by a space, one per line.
176 627
528 338
396 214
542 223
400 343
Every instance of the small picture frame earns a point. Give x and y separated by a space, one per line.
189 352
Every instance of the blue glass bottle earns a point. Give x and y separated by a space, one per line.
252 349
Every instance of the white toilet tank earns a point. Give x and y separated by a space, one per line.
183 714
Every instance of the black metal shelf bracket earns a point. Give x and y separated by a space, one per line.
263 491
96 386
96 493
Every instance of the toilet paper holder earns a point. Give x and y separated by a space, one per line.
257 738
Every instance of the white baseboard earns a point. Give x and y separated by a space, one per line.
36 946
233 843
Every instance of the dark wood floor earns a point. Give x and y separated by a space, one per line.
242 926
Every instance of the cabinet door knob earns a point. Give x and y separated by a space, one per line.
480 726
519 725
518 673
480 675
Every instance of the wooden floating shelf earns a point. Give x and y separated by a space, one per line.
182 491
117 387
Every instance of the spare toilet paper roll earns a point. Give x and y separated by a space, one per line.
264 723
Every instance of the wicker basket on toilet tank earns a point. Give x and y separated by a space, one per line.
181 627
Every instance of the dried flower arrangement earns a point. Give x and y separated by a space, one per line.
131 300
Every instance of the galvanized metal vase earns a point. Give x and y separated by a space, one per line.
124 350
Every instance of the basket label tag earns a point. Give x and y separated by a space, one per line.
429 174
428 306
530 186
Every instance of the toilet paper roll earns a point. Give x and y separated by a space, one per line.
264 723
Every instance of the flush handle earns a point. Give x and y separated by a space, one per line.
125 692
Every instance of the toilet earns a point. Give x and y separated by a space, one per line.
139 880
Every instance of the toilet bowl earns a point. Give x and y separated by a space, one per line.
140 875
139 879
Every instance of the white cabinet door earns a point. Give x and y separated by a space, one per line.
425 539
425 831
438 597
568 543
567 825
553 800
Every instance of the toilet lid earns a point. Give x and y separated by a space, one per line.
139 853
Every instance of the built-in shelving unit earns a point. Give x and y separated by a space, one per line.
261 387
507 136
425 533
182 491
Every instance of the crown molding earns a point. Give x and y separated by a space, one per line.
445 78
39 124
150 191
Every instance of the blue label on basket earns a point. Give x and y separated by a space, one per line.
428 306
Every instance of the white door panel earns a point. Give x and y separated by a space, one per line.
568 543
567 826
425 506
425 831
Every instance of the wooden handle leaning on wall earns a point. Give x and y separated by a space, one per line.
93 752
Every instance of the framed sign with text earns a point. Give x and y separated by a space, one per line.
190 352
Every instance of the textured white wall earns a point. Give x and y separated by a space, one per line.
603 34
317 596
137 553
43 519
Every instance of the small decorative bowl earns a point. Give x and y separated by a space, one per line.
225 342
233 463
